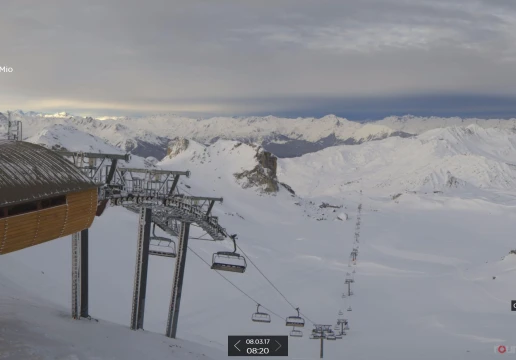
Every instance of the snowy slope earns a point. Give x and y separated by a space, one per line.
138 141
32 329
437 160
417 125
424 284
67 137
70 138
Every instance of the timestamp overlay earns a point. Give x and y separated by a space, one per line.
258 345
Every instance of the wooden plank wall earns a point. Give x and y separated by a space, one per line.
21 231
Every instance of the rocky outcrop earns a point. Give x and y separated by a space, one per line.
268 161
453 181
177 146
263 175
288 188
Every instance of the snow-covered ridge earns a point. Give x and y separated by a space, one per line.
115 132
437 160
462 157
149 135
456 158
70 138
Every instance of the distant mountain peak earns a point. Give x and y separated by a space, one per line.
285 137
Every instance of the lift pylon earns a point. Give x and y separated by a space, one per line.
142 264
177 287
80 274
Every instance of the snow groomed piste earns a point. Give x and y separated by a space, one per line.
325 332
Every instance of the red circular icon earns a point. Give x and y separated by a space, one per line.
502 349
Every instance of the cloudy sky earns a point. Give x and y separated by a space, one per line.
354 58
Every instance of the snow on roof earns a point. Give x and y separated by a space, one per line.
30 172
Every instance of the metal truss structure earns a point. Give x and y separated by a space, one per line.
14 129
153 194
322 332
134 188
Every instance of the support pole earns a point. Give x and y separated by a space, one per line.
349 289
173 187
75 275
111 171
177 287
80 274
142 265
322 339
84 274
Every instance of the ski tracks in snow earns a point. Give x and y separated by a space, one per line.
434 259
416 256
434 322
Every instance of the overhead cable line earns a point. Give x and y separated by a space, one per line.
236 287
270 282
257 268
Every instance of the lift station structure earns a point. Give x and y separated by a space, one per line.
42 196
45 195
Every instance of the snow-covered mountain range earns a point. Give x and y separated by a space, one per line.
437 160
434 275
149 135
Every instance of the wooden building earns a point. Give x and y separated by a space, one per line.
42 196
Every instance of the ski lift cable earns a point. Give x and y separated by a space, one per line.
201 237
236 287
198 238
270 282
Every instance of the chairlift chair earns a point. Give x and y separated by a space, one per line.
336 327
296 321
331 337
161 246
340 312
346 327
349 308
229 260
338 336
260 316
296 333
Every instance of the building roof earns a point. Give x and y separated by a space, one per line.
30 172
